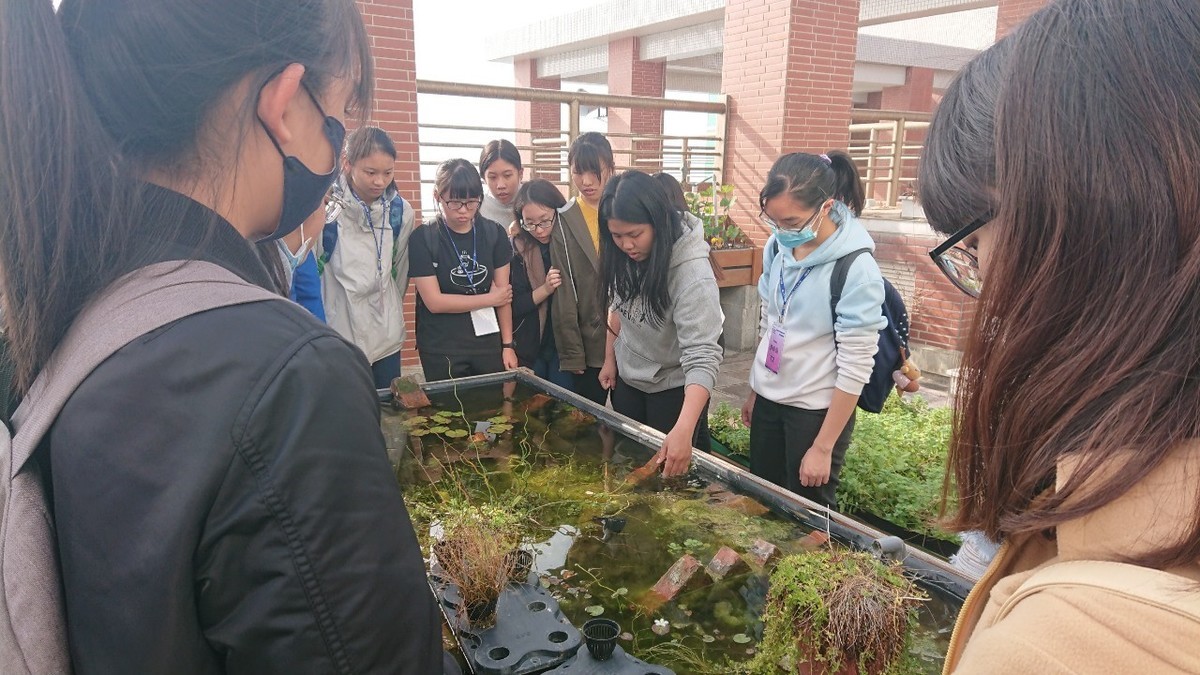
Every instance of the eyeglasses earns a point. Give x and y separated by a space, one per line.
959 265
460 204
543 225
770 222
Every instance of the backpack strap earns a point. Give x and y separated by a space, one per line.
397 217
32 610
1162 590
837 282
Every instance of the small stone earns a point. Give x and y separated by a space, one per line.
763 553
725 562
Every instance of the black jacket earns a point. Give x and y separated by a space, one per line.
224 502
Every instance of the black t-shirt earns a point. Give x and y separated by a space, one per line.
464 264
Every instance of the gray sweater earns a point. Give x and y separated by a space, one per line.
683 349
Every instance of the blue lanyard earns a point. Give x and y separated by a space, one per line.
787 297
387 217
458 254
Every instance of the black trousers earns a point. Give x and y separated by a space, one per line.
779 437
442 367
588 386
659 410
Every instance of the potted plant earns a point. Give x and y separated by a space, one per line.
476 555
739 260
837 611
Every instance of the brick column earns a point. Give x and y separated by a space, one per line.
629 75
544 117
390 27
789 70
1011 13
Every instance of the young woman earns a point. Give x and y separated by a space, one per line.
1076 441
460 264
221 493
500 166
535 280
365 249
579 323
661 357
810 365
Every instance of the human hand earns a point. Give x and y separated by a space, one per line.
608 375
509 355
500 295
748 408
553 280
676 453
815 467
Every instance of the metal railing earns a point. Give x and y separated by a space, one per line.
693 159
887 145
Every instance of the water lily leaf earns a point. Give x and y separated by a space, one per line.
419 432
500 428
456 433
498 419
439 429
415 421
741 638
441 419
620 591
594 610
708 638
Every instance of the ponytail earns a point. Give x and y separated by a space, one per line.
58 186
849 188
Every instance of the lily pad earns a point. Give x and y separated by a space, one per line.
415 421
741 638
439 430
419 432
594 610
500 428
456 433
708 638
498 419
620 591
441 419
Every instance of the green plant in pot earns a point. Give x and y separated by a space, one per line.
837 611
712 205
476 555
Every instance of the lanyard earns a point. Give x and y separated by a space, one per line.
383 227
474 254
787 297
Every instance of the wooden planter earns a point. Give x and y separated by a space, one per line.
741 266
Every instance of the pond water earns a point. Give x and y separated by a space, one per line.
561 474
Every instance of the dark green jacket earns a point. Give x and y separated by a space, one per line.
579 319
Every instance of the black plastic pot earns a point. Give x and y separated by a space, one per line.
522 565
482 614
600 636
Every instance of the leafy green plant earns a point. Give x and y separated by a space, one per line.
837 608
712 205
725 426
896 463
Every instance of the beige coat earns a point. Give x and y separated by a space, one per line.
1076 629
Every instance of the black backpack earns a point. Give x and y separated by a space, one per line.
893 338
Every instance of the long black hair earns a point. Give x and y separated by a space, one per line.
635 197
107 91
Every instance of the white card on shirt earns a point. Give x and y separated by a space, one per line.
485 321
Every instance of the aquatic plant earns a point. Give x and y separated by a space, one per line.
476 555
834 611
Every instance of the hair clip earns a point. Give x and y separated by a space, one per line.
826 158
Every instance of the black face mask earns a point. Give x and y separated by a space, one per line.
303 190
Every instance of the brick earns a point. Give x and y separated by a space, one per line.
763 553
726 562
683 575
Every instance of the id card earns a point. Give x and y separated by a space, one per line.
485 321
775 348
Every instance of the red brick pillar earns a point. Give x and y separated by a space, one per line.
629 75
390 27
545 119
1011 13
915 95
789 70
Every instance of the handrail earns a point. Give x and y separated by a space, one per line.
566 97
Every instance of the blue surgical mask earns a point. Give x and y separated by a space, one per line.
303 190
789 239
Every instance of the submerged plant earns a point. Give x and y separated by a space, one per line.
837 611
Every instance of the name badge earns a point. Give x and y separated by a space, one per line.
485 321
775 348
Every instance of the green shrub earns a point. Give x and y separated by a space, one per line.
896 463
725 425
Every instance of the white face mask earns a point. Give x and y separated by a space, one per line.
294 259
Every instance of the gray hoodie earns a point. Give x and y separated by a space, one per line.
683 349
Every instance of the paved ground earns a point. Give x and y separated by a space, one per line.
733 383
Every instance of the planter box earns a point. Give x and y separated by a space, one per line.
741 266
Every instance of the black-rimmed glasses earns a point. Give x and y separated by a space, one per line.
541 225
959 265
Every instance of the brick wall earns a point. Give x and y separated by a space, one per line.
1012 12
547 116
390 27
916 94
788 69
628 75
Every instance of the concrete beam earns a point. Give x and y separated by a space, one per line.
875 12
684 43
574 63
874 76
687 81
890 51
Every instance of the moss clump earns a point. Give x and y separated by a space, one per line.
829 610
